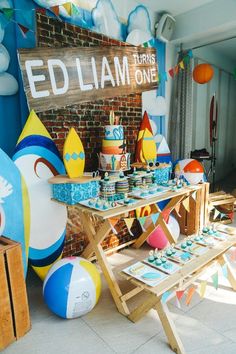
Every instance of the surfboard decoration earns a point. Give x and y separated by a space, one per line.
145 142
73 155
213 119
14 205
149 150
38 159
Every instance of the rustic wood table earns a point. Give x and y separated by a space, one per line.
182 278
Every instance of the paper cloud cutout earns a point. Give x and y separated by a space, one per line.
8 85
4 59
138 37
153 104
139 19
106 20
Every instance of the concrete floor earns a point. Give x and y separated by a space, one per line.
206 326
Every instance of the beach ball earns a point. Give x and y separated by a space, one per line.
158 239
72 287
203 73
191 170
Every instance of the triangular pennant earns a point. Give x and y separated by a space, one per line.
190 53
8 13
75 10
159 77
215 280
180 294
154 218
145 44
233 255
41 10
222 215
67 6
203 288
23 29
177 209
165 296
225 270
55 10
186 59
165 214
113 222
216 214
171 72
177 303
189 296
142 221
176 69
230 215
185 204
129 223
181 64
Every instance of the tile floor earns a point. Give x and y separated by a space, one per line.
205 326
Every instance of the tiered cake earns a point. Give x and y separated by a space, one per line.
114 157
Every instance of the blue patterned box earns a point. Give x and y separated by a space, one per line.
162 175
73 193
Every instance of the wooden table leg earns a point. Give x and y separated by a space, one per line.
231 272
98 237
95 240
169 328
142 309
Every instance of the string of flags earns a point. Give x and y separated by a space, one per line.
8 14
218 214
189 292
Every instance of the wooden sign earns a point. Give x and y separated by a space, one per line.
58 77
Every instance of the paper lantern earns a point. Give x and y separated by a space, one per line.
203 73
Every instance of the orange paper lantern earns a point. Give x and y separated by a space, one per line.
203 73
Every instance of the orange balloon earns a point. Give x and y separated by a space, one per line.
203 73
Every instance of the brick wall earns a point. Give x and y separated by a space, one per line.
88 118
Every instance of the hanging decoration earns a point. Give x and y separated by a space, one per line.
203 73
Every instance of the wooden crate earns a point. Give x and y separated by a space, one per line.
14 309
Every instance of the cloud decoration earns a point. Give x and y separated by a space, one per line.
106 20
4 59
139 19
153 104
8 85
138 37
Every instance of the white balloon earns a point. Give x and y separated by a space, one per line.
4 59
8 85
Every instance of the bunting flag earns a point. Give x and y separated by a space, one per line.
177 303
190 54
55 10
180 294
181 64
203 286
164 76
154 218
231 216
68 7
74 9
176 69
185 204
225 270
216 214
129 223
113 222
166 214
215 280
8 13
142 221
177 209
171 72
41 10
189 296
233 255
165 296
23 29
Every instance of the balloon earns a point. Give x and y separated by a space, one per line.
157 239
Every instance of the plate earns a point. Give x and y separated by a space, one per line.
145 274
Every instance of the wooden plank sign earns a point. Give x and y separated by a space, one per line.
58 77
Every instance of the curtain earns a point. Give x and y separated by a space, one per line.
181 120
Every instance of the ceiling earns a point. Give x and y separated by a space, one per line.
174 7
201 22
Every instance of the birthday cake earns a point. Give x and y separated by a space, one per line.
114 156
